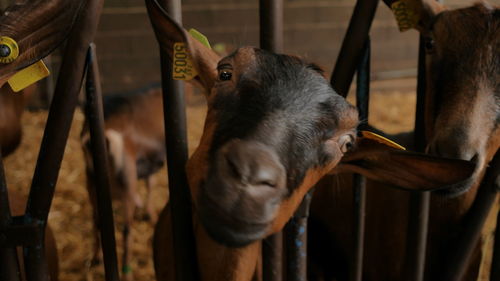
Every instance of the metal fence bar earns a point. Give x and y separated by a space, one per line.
359 181
9 266
458 260
271 39
184 245
352 45
296 242
56 132
95 116
495 263
419 201
271 25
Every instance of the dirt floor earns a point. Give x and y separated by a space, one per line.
70 215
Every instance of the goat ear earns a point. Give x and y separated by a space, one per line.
37 27
408 170
169 32
420 12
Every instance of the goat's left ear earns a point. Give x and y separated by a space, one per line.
168 32
408 170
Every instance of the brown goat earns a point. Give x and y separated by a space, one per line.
135 140
274 127
462 121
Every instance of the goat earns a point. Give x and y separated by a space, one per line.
274 127
461 118
135 140
11 109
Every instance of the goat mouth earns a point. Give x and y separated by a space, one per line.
226 228
229 230
462 187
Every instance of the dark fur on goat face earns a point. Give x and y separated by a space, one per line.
281 119
463 96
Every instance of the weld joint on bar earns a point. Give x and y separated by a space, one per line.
18 233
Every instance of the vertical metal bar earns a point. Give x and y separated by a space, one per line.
495 263
296 242
271 25
186 267
95 116
271 39
56 132
419 201
359 181
352 46
458 260
9 266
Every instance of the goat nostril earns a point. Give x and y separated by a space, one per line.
233 167
266 177
475 158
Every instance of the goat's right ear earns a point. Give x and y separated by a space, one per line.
169 32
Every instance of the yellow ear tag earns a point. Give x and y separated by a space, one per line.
200 37
405 14
381 139
183 66
9 51
28 76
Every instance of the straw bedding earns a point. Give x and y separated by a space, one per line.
70 215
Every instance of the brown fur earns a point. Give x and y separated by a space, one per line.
461 121
12 106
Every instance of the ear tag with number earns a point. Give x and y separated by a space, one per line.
183 67
381 139
405 14
28 76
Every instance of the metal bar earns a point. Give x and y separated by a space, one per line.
271 39
186 264
56 132
419 201
271 25
359 181
458 260
495 263
9 266
296 242
95 116
21 234
352 46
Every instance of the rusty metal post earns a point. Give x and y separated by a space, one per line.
419 201
352 45
458 260
271 39
359 181
9 266
57 131
186 265
495 263
296 242
95 117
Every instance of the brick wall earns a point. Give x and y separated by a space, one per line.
128 52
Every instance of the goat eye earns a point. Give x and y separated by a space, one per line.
346 143
225 75
429 45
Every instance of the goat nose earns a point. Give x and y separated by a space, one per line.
253 163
